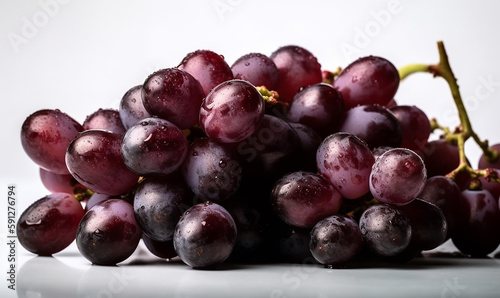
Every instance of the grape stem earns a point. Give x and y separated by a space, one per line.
464 131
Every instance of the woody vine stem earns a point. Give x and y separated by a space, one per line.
463 132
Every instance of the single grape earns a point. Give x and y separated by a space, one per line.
376 125
346 162
209 68
173 95
60 182
428 224
96 198
108 233
49 225
297 68
335 240
386 230
154 146
159 203
415 126
211 170
132 108
368 80
484 163
205 235
380 150
397 176
479 221
258 69
45 136
318 106
94 159
301 199
107 119
161 249
440 157
232 111
444 193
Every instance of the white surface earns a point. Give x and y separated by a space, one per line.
79 56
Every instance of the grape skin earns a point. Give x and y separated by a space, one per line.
258 69
301 199
397 176
108 233
45 136
94 159
49 225
345 161
107 119
132 108
205 235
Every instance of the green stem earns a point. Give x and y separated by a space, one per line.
465 131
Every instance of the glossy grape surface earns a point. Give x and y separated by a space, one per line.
132 108
154 146
258 69
173 95
45 136
346 162
301 199
49 225
232 111
297 68
415 126
208 67
108 233
368 80
205 235
94 158
107 119
397 176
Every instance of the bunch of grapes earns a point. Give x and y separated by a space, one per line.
270 159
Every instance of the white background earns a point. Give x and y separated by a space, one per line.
79 56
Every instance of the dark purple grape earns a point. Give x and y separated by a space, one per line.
258 69
161 249
107 119
232 111
380 150
49 224
60 182
309 142
318 106
173 95
154 146
94 159
132 108
397 176
477 234
108 233
209 68
415 126
440 157
335 240
484 163
205 235
346 162
271 151
386 230
45 136
211 170
428 224
376 125
368 80
444 193
297 68
159 203
301 199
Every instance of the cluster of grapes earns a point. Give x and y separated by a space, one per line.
270 159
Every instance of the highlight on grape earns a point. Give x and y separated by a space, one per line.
272 158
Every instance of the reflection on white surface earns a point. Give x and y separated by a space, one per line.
70 275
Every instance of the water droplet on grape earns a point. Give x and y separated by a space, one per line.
32 223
